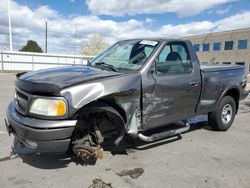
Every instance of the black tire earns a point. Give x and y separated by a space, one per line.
223 117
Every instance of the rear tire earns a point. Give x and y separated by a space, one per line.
223 117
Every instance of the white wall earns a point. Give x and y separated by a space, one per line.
26 61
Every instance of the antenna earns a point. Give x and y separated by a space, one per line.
207 35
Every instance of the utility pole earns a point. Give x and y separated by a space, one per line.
10 32
46 36
75 38
75 46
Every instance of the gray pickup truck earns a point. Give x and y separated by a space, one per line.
132 88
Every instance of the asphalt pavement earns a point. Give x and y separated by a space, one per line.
200 158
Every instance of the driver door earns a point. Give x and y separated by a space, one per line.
172 91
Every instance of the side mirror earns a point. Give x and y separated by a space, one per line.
88 62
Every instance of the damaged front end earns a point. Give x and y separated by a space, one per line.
104 109
95 109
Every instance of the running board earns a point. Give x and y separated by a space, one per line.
159 136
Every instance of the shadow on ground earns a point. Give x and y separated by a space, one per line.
127 146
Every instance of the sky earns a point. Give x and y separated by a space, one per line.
72 22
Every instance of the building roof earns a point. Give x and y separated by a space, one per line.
218 32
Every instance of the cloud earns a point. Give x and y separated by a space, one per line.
45 12
29 23
128 7
240 20
223 11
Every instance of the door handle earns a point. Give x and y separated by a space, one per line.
194 83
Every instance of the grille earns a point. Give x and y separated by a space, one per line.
21 101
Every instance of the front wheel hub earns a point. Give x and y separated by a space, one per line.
87 149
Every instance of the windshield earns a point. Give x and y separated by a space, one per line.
130 54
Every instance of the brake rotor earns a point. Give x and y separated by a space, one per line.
84 152
87 148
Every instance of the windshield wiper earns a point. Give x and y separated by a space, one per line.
111 67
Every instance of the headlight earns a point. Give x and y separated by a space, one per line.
48 107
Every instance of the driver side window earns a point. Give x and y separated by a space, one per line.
174 59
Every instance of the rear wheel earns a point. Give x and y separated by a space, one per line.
223 117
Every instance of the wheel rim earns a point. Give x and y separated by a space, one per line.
227 113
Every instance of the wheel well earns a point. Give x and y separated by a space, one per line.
103 106
117 107
235 94
110 116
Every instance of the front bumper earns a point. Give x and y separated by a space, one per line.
44 136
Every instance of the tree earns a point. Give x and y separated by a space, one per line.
95 45
31 46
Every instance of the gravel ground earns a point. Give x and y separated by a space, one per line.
201 158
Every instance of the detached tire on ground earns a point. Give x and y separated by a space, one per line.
223 117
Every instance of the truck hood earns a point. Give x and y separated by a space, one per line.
55 79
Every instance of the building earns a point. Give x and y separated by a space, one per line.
226 47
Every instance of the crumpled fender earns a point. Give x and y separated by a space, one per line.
81 95
124 89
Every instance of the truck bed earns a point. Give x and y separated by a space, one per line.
216 79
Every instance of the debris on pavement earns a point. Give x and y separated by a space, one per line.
135 173
98 183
